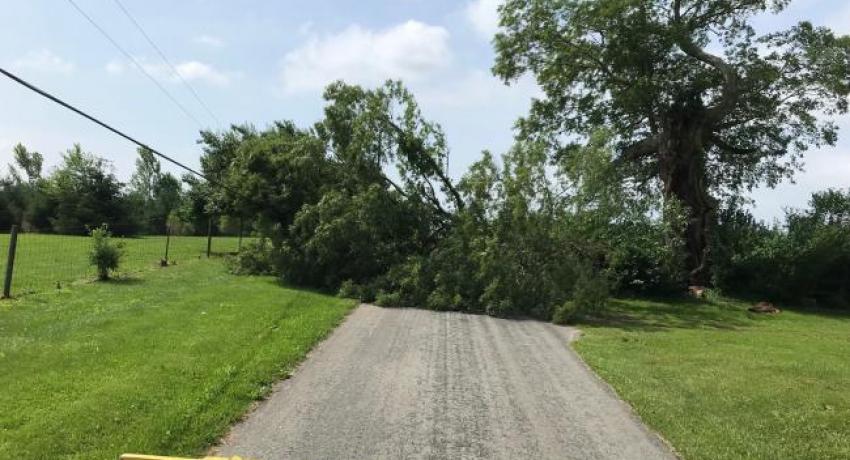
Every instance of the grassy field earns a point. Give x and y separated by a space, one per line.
721 383
45 261
160 364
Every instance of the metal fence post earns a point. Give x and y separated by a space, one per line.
10 262
209 237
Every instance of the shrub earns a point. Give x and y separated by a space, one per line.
349 290
644 259
105 255
590 295
362 292
565 313
255 258
805 261
388 299
591 292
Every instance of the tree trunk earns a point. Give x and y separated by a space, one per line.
682 170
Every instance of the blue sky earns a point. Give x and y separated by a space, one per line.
260 61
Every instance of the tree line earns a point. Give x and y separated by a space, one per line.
83 193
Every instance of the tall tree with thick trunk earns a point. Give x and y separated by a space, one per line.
702 106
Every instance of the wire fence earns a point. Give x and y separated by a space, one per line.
52 261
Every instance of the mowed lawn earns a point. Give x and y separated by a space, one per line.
721 383
44 261
161 364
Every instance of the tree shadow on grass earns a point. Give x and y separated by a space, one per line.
658 315
824 312
279 282
121 281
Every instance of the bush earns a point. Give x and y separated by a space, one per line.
644 260
362 292
591 292
590 295
388 299
565 313
349 290
105 255
805 261
255 258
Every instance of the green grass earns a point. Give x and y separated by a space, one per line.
161 364
721 383
43 261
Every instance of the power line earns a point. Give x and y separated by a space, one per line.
134 61
70 107
165 59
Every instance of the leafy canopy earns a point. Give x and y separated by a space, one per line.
636 66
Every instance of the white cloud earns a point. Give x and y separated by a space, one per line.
410 51
44 61
195 70
189 70
484 17
209 40
115 67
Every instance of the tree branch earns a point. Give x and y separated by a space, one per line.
639 150
433 199
437 169
716 140
395 186
729 92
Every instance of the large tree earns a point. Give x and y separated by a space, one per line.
154 194
148 173
701 105
23 190
87 194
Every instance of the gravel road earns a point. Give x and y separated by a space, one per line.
406 383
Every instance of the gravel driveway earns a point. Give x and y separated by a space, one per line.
406 383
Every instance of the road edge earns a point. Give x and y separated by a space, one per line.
575 335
